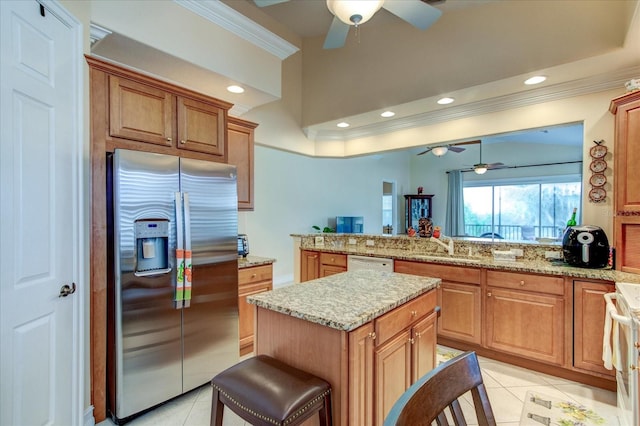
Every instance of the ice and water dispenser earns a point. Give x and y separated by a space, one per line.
152 246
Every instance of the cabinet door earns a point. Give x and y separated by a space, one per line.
393 373
460 312
423 346
246 313
361 347
139 112
241 140
627 232
309 265
525 324
588 322
326 270
202 127
627 150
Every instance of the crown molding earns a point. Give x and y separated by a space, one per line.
238 24
599 83
97 33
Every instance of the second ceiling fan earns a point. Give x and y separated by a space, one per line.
441 150
347 13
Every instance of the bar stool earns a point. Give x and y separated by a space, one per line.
266 392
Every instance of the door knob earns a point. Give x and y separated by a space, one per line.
67 289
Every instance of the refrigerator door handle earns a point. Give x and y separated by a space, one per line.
187 250
179 291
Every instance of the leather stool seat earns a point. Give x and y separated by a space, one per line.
264 392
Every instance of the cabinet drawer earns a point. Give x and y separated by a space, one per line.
391 323
333 259
528 282
255 274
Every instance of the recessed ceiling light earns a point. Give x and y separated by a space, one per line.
535 79
343 124
388 114
445 101
235 89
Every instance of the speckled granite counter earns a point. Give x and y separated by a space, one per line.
345 301
468 252
249 261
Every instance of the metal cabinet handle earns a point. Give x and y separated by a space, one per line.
414 313
489 294
169 139
411 341
372 335
522 282
67 289
182 141
418 335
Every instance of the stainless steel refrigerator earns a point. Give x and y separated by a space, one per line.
173 293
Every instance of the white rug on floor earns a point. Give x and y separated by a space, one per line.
540 409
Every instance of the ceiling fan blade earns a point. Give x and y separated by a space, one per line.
265 3
494 166
424 152
456 149
337 34
477 141
415 12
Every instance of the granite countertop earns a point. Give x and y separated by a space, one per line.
345 301
250 260
536 267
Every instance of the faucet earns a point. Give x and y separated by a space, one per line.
449 246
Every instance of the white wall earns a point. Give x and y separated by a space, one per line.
293 192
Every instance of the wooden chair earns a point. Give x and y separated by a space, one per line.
427 399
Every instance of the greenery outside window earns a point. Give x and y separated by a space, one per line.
521 209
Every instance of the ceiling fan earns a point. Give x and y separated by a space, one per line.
481 168
441 150
346 13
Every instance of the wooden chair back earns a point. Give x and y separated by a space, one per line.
426 400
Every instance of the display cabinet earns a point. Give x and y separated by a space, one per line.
416 206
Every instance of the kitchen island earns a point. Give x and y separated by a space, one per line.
368 333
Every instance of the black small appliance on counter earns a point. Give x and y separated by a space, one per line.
585 246
243 245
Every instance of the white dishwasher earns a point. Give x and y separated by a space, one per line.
355 263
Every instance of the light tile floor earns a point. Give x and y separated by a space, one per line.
506 386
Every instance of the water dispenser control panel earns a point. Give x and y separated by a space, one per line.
152 245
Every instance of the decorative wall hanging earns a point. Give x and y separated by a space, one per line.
598 165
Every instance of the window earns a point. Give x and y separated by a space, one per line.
520 210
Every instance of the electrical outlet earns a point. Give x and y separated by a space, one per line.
371 243
352 241
319 241
552 255
517 252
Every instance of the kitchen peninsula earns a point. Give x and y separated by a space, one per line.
368 333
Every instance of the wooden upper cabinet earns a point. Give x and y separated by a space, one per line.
140 112
627 181
201 127
240 134
627 153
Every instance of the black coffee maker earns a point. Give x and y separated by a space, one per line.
585 246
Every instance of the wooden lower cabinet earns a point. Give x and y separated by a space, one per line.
459 298
309 265
525 315
251 281
588 324
361 367
369 367
315 264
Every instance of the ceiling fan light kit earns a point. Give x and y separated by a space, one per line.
354 12
439 151
480 169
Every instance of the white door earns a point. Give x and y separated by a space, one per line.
40 163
